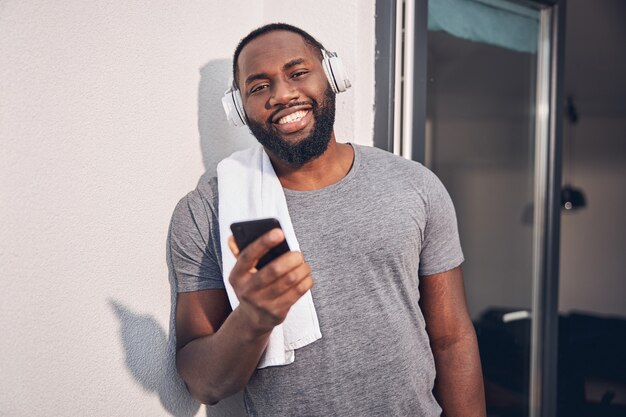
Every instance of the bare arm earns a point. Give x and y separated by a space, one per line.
459 384
217 352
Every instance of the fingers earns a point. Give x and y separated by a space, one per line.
293 294
248 257
266 295
273 285
284 296
277 285
266 313
233 246
276 269
298 290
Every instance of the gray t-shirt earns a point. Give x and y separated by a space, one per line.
368 239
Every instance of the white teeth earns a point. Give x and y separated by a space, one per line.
293 117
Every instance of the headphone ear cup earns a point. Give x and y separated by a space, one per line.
335 72
233 107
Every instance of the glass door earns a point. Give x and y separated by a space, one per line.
471 88
487 130
480 141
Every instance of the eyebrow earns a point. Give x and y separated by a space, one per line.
293 63
263 75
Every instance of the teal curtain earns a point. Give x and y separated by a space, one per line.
495 22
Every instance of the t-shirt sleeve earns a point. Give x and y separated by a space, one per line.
194 245
441 248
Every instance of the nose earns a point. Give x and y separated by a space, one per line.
283 92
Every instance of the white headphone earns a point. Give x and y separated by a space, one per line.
333 68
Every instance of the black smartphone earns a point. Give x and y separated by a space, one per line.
249 231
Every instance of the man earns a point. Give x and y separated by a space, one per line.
367 222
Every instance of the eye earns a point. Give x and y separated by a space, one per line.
299 74
258 88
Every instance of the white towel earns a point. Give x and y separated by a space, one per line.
249 189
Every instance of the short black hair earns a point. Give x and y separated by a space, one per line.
272 27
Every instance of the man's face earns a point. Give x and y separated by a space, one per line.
289 105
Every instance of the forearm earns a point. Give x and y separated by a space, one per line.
221 364
459 384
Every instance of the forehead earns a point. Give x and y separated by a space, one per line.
272 50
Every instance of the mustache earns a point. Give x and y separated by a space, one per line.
311 103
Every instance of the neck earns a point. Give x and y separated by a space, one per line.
325 170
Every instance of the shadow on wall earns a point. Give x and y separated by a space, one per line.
150 352
151 358
218 139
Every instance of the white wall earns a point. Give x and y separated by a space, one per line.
109 114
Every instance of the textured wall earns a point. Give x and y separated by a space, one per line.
109 113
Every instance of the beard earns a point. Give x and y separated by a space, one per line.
304 150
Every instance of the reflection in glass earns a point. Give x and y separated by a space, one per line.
480 141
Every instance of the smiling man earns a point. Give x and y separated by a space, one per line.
380 255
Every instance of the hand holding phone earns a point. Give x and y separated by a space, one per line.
248 231
266 294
